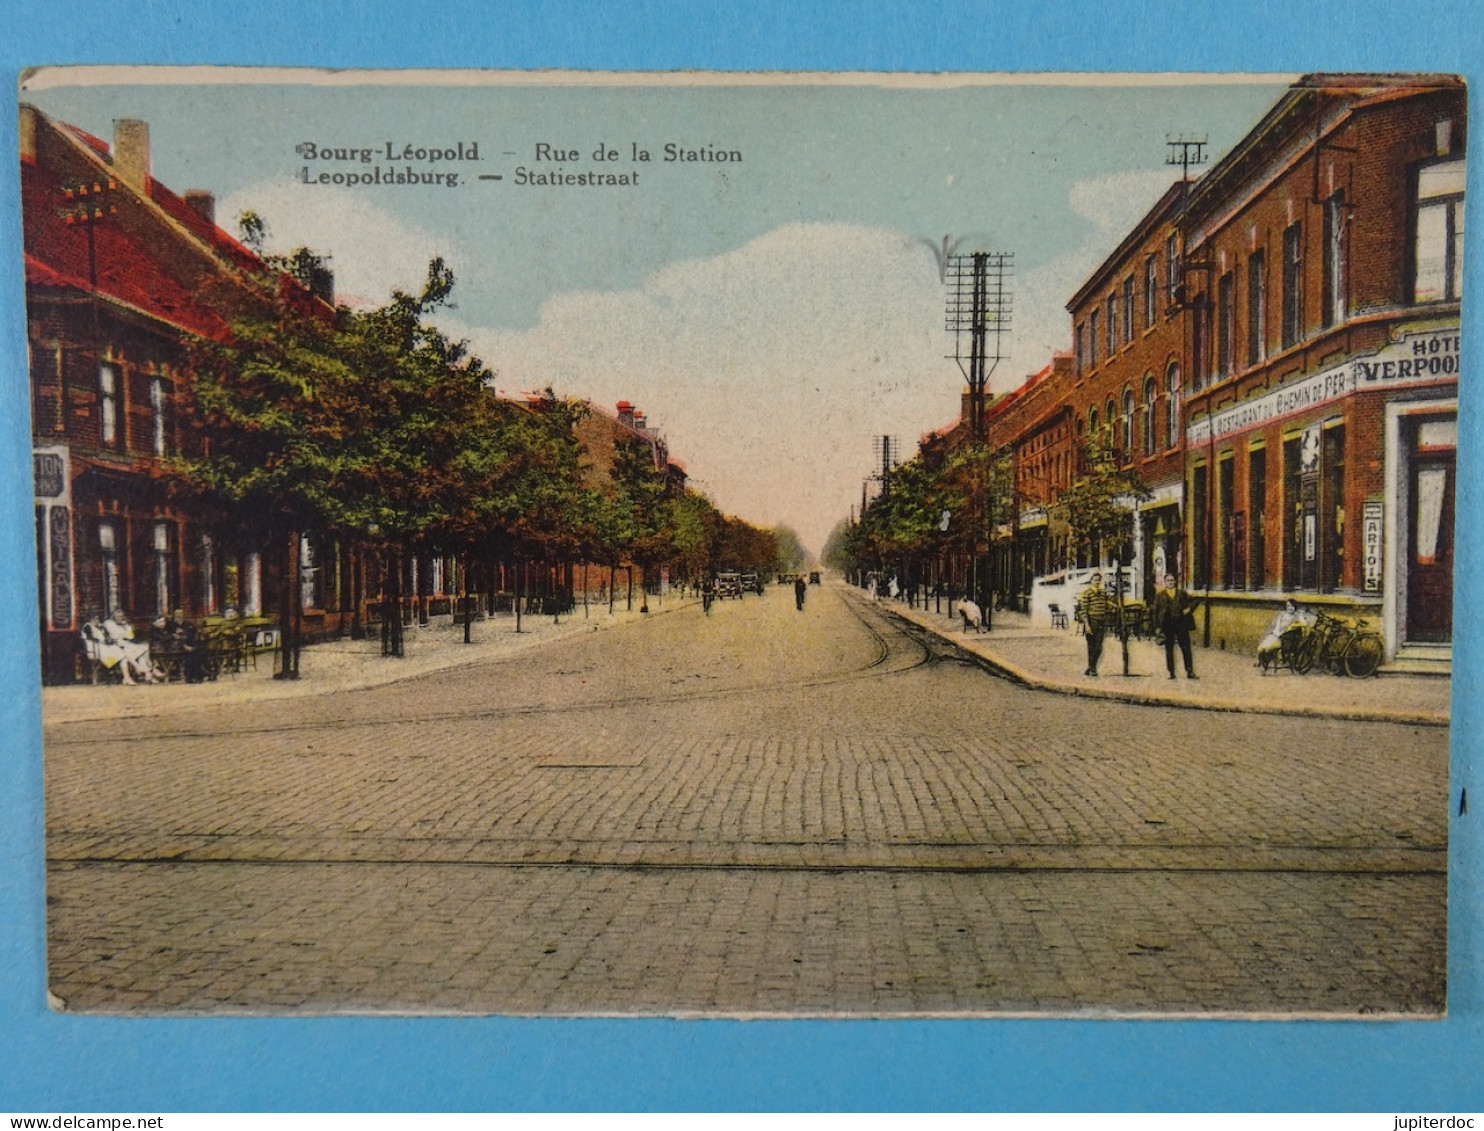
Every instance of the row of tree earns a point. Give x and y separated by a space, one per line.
376 430
938 520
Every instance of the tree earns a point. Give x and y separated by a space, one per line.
791 555
1099 510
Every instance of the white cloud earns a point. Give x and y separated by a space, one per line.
370 250
769 368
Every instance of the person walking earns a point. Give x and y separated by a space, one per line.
801 588
1096 612
1173 613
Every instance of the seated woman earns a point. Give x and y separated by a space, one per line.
1270 647
119 649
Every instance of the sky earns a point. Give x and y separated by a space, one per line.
770 313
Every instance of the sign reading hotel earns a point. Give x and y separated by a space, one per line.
1418 358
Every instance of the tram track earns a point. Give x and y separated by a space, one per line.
886 658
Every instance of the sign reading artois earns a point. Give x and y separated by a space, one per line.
1416 358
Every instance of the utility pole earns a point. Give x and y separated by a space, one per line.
979 308
1186 150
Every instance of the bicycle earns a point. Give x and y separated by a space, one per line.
1340 645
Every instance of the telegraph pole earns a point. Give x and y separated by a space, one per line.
979 309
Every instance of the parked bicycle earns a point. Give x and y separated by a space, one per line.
1339 645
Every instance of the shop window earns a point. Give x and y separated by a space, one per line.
1257 495
1293 512
108 555
1437 264
1332 515
308 574
1200 561
1228 519
164 590
1293 274
1257 308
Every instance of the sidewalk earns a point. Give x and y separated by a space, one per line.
344 665
1055 660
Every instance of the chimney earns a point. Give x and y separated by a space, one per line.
131 152
203 203
625 413
639 420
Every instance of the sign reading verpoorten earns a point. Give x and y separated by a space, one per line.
1419 358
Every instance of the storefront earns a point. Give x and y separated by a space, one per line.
1337 487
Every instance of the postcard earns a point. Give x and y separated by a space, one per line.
545 543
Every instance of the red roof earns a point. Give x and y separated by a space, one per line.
126 270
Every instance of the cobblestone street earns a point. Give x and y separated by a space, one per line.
756 811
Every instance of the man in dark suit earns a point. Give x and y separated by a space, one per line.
1173 612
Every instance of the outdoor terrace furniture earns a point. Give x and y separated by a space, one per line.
1058 617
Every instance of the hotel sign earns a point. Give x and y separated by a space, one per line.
1416 359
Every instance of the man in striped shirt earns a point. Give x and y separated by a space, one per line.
1096 612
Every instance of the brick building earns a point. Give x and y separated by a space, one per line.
1125 394
1274 348
1321 286
120 272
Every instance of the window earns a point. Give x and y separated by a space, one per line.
208 574
1199 317
1081 348
1257 497
1257 308
1126 424
1200 558
1334 260
1092 338
1112 325
1172 269
1293 270
158 404
108 549
1437 267
1128 309
1149 394
163 588
108 403
1151 291
1110 423
1226 325
1172 405
1231 526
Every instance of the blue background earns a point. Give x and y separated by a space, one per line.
53 1063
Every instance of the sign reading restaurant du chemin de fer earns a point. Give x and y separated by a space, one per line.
1415 358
